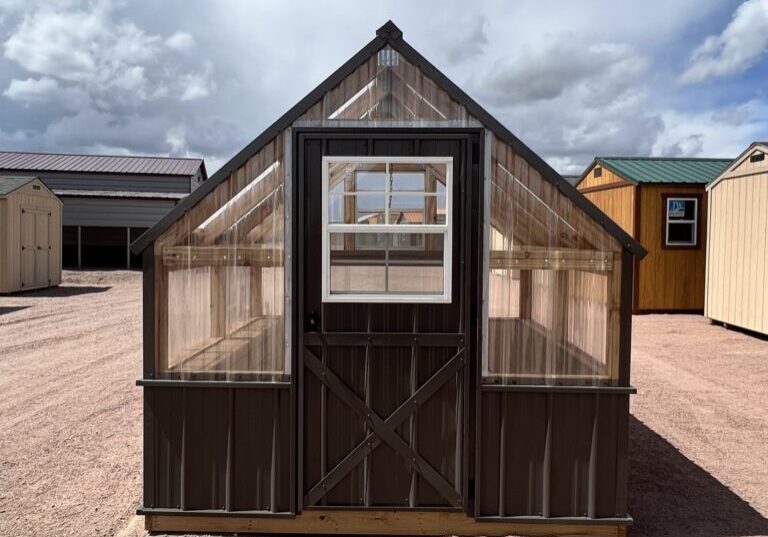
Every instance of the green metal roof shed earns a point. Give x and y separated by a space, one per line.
663 169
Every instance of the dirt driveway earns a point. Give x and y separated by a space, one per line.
70 417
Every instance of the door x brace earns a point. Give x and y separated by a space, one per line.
384 430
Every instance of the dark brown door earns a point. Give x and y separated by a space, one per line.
383 385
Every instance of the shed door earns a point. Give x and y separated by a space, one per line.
383 321
42 249
27 255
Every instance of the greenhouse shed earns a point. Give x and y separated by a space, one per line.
387 315
30 235
737 253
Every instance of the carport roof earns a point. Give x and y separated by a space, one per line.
66 162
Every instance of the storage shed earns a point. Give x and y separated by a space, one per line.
737 252
30 235
387 315
662 203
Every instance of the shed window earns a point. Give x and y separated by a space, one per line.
598 171
387 229
757 157
681 220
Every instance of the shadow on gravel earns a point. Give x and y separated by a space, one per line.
671 495
67 290
11 309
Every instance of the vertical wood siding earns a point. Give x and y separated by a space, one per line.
618 204
670 279
737 254
607 178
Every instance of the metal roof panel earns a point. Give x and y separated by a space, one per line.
63 162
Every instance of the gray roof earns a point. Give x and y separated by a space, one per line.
119 194
61 162
9 184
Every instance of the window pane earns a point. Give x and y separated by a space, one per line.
408 209
415 263
553 283
356 177
413 177
357 267
681 209
223 283
370 182
408 181
680 233
363 208
378 263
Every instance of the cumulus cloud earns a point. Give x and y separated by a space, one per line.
468 42
196 85
31 89
690 146
572 99
111 79
181 41
712 133
741 45
548 71
123 77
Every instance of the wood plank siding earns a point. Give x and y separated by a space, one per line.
618 204
669 279
737 254
606 179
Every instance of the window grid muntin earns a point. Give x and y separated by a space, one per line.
393 229
695 221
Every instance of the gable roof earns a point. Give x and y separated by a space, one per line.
669 170
67 162
737 162
9 183
390 34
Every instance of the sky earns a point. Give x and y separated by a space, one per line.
572 79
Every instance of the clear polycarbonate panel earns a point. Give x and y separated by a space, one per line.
220 279
365 263
388 88
553 283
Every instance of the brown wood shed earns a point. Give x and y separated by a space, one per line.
30 235
737 251
387 315
662 203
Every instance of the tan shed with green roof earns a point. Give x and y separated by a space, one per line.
662 203
30 235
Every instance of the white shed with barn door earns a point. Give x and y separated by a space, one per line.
737 249
30 235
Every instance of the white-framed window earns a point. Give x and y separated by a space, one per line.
681 221
387 229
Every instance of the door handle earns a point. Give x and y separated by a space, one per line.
313 321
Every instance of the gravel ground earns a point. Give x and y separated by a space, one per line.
70 416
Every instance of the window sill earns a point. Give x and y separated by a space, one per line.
546 388
190 383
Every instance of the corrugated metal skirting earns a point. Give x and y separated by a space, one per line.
553 455
218 448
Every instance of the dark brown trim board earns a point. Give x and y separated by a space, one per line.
699 220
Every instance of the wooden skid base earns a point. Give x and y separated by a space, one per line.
373 523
